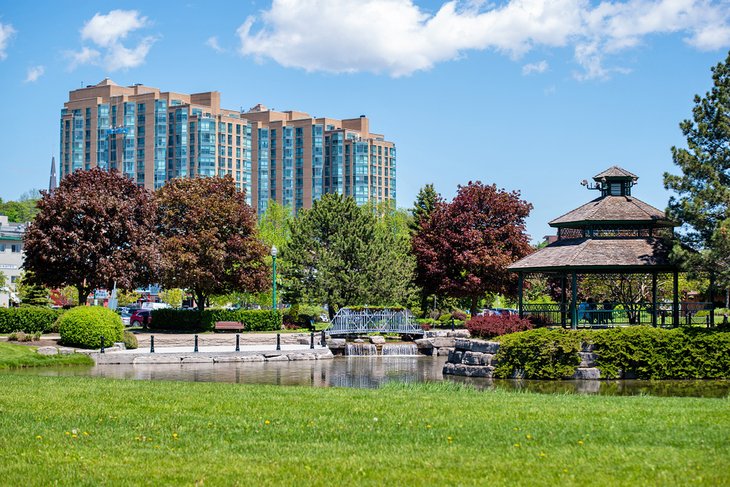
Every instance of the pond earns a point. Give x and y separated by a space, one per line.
372 372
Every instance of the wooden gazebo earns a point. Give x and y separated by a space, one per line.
615 233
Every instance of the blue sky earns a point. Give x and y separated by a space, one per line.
531 95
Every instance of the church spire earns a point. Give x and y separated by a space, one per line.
52 184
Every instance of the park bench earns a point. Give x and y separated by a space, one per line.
229 326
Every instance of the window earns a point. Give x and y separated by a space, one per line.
15 248
2 247
615 189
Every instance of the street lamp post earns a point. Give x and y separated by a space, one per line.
274 251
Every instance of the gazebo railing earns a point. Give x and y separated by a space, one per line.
614 313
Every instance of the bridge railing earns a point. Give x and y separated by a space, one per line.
349 321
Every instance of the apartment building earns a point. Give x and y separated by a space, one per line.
291 157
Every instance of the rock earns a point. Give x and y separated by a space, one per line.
252 358
587 359
324 355
486 359
47 351
197 360
157 359
590 373
226 359
301 356
333 343
120 345
458 334
303 340
443 351
424 344
443 342
462 344
472 358
448 369
587 347
377 339
277 358
456 356
358 340
484 346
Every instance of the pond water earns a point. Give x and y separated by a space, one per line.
372 372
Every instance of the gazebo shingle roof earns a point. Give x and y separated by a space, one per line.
615 172
614 209
587 254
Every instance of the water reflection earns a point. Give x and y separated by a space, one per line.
372 372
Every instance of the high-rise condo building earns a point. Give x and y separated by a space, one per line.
290 157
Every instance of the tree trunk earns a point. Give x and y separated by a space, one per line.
473 307
83 294
424 305
200 298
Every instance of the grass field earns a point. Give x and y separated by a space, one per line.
15 356
84 431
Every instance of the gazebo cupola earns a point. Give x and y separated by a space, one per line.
614 181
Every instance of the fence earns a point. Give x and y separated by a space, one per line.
612 313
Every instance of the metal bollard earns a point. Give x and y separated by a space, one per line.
102 344
278 341
452 324
196 344
152 344
238 347
311 340
324 339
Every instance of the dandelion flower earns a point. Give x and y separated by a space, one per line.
267 422
38 437
580 442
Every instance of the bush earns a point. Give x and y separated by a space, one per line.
19 336
459 315
538 354
302 315
644 352
496 325
130 341
445 318
193 320
29 319
84 326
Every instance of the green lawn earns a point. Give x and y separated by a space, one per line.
15 356
85 431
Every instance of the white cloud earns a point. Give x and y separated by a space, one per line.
34 72
212 42
539 67
398 38
6 33
107 32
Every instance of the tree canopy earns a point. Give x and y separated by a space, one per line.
702 201
208 239
465 247
23 210
94 229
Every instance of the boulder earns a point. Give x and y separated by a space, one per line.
301 356
486 359
197 360
226 359
483 346
442 351
589 373
336 343
424 344
443 342
587 359
377 339
472 358
47 351
458 334
252 358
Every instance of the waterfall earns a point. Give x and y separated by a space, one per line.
400 349
361 349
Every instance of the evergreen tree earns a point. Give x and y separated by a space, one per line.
31 294
702 201
424 205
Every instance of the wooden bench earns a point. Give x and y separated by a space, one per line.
229 326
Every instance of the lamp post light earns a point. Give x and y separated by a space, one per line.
274 251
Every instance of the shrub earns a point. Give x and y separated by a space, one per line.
84 326
538 354
130 341
29 319
644 352
19 336
496 325
193 320
445 318
459 315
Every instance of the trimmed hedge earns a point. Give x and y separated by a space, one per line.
490 326
30 319
84 326
193 320
640 352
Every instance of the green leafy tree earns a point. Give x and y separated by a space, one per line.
208 239
95 229
30 293
125 298
274 230
333 256
173 297
702 201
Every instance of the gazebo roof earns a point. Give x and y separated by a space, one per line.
601 254
615 172
614 209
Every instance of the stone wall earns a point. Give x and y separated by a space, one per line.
476 358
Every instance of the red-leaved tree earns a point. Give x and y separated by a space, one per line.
95 229
208 239
466 245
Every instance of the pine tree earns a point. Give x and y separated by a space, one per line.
702 201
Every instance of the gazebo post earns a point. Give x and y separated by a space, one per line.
653 299
520 285
675 298
574 304
563 283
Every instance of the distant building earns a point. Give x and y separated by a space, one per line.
11 249
52 181
290 157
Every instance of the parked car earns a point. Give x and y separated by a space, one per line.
141 317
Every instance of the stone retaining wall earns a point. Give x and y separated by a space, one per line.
434 342
209 357
476 358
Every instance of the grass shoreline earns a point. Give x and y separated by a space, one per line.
14 356
87 431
